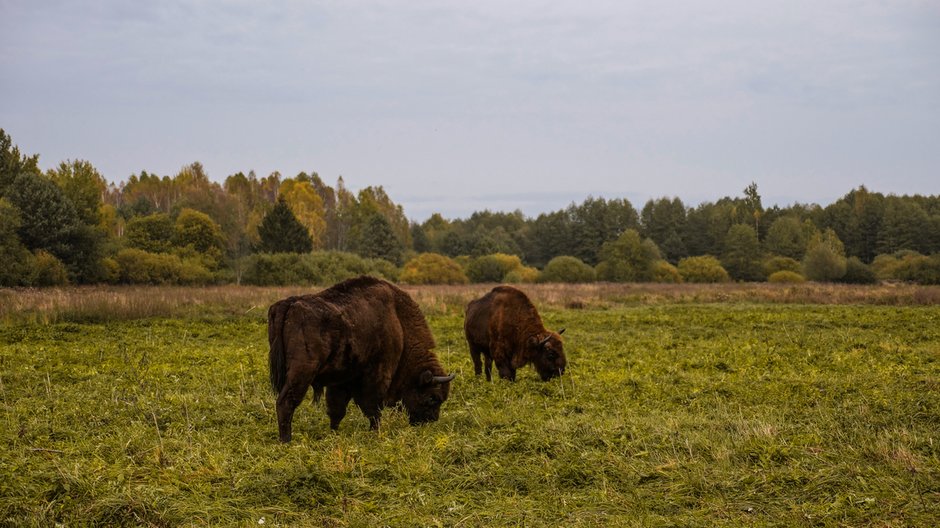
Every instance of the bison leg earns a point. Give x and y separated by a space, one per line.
287 401
337 398
475 356
372 408
489 368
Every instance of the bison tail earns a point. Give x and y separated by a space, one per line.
277 359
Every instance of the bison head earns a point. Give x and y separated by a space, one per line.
549 354
423 401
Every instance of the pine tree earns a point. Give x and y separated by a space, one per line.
281 232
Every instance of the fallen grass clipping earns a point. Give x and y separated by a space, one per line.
685 414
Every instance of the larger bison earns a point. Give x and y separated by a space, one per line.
364 340
504 326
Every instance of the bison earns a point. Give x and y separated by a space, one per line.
504 326
364 340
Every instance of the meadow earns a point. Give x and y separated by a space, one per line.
729 405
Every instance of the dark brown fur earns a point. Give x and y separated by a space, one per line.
504 327
363 340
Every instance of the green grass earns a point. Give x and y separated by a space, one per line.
672 415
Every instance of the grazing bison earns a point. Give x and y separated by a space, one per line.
505 327
364 340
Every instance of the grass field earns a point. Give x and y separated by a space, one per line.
674 411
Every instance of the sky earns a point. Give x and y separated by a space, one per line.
456 106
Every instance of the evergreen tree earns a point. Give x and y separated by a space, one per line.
905 225
281 232
741 255
663 221
50 222
378 240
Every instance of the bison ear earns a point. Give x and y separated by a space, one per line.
426 378
562 331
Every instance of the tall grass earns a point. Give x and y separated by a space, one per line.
115 303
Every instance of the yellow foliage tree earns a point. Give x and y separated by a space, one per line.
307 206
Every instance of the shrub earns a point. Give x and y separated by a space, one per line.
857 272
198 232
567 269
431 268
492 268
276 269
141 267
886 266
664 272
774 264
318 268
921 269
47 270
825 258
786 276
525 274
111 270
702 269
153 233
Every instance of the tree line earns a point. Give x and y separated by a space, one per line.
68 225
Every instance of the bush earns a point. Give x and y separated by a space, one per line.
920 269
567 269
431 268
319 268
857 272
786 276
664 272
47 270
825 257
330 267
886 266
525 274
774 264
492 268
111 270
702 269
141 267
153 233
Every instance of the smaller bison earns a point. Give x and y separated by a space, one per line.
504 326
363 340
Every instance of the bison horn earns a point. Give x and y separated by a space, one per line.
443 379
542 342
562 331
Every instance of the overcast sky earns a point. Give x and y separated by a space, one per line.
456 106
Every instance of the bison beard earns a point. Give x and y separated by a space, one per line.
504 327
363 340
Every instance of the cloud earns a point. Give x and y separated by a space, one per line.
648 98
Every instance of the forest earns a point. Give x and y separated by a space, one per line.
69 225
